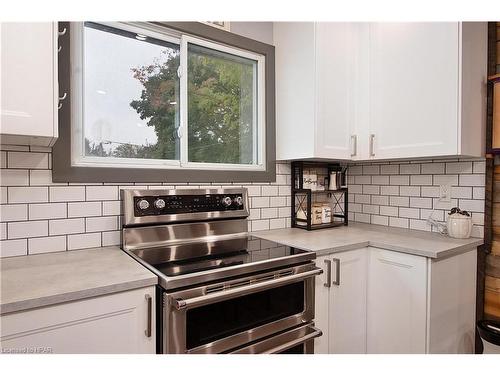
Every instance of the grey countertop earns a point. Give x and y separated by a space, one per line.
40 280
357 235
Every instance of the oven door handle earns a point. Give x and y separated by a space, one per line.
182 304
282 341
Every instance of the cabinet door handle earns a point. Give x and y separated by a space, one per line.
149 300
354 145
328 283
337 271
372 147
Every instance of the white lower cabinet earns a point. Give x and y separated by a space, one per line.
341 302
116 323
391 302
397 293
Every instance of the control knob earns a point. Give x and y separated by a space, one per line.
159 203
226 201
238 200
143 204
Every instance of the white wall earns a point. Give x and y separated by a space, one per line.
261 31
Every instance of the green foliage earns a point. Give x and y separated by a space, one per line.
220 109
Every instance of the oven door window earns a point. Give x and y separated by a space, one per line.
209 323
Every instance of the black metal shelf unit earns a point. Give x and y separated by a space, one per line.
302 199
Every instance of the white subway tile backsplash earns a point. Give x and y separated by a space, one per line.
112 208
389 210
3 195
277 223
101 193
42 177
269 191
27 229
442 205
412 213
420 202
14 212
28 160
389 169
260 225
433 168
460 167
13 248
41 211
371 189
356 189
472 180
429 191
278 201
461 192
381 200
398 222
478 192
446 179
27 194
254 191
370 209
66 226
46 244
362 218
361 198
409 191
378 180
3 159
399 201
258 202
111 238
479 167
99 224
409 169
362 179
389 190
471 205
3 231
67 193
379 220
14 177
267 213
420 180
83 241
84 209
371 169
419 224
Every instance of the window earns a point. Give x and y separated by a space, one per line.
145 96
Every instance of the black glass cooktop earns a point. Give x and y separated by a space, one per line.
251 250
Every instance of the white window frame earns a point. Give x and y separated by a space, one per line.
78 158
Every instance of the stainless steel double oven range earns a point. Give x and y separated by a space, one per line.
220 290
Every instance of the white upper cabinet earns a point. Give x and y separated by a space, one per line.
418 89
29 87
315 68
364 91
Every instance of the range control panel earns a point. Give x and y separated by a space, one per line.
182 204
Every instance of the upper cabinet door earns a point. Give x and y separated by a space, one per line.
29 83
414 89
336 101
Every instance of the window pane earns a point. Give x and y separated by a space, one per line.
222 107
131 95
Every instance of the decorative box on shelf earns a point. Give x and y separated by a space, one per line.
319 195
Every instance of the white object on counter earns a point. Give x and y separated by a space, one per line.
459 226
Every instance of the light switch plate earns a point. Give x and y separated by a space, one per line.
445 193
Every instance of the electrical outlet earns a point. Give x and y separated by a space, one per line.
445 193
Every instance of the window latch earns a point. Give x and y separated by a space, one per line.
179 132
179 72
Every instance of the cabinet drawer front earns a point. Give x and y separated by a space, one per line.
114 323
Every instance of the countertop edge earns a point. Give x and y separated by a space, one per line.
41 302
458 249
